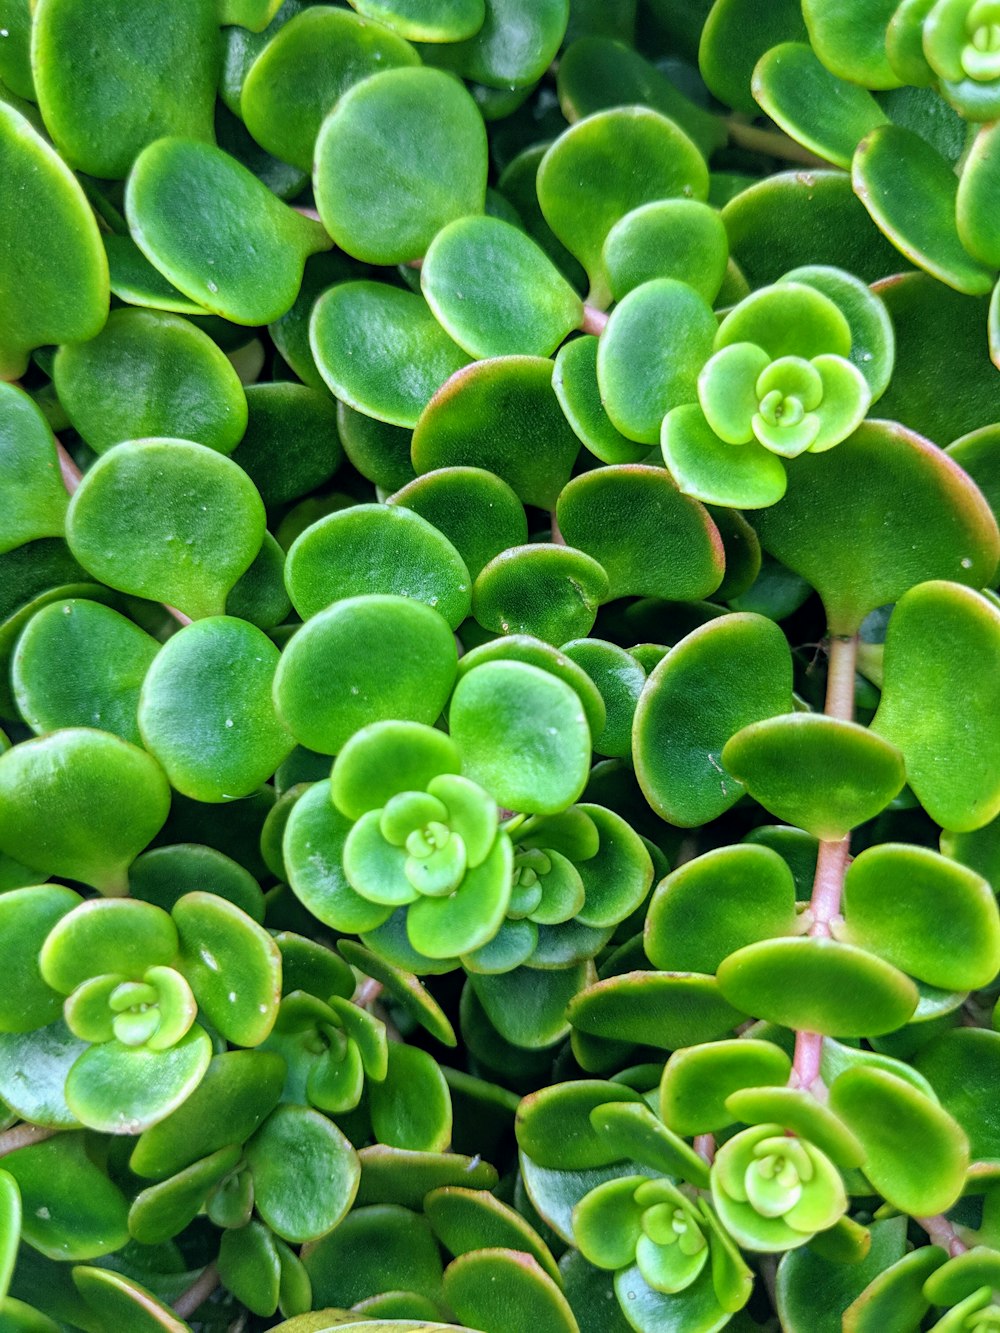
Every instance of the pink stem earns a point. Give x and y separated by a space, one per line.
198 1292
943 1233
23 1136
71 474
594 320
832 859
704 1146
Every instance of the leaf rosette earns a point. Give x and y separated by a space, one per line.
774 1192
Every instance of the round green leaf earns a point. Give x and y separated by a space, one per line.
496 291
104 936
123 1090
663 1009
819 110
816 772
921 517
916 1155
376 549
651 540
736 34
716 903
54 272
233 965
411 1107
79 663
149 373
851 39
721 677
873 339
106 96
522 734
620 679
80 803
401 154
70 1209
33 496
910 191
305 68
605 166
549 591
165 874
381 350
466 1220
504 1291
206 712
952 929
501 415
524 648
356 1260
651 353
296 1206
476 510
26 917
516 43
468 917
747 476
527 1007
818 985
942 627
671 238
198 527
575 383
245 257
160 1211
697 1081
335 676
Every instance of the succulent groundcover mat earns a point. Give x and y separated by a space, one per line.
499 666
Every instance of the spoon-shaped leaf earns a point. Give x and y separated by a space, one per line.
916 1154
605 166
952 934
575 383
697 1080
53 271
515 44
651 353
123 1089
244 258
26 917
119 1301
336 676
70 1209
522 735
80 663
549 591
196 529
402 154
233 965
376 549
910 191
82 804
728 673
299 1207
818 109
496 291
381 350
32 495
107 92
925 520
736 34
503 1291
298 77
663 1009
672 238
942 632
819 985
850 40
206 711
150 373
476 510
501 415
652 540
